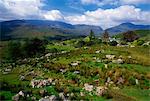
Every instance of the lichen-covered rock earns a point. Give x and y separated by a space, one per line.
118 61
16 97
88 87
40 83
101 90
110 57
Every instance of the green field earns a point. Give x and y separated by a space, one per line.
89 68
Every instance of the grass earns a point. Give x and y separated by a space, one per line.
90 70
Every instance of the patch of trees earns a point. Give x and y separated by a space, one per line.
89 40
130 36
28 48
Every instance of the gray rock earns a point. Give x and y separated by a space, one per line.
16 97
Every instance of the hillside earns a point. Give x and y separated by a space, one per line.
126 27
16 29
143 34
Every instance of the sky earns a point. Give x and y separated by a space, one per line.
104 13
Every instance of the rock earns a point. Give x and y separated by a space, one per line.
108 79
7 70
82 94
88 87
16 97
136 81
22 77
132 46
120 80
33 98
74 64
43 92
106 66
94 58
21 93
129 57
52 98
101 90
76 72
63 52
49 98
63 70
48 54
118 61
61 95
110 57
5 73
97 51
40 83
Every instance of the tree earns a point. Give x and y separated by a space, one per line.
34 47
130 36
113 43
91 36
105 36
13 51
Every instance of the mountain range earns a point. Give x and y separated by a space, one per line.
15 29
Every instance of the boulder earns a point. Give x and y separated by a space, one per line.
16 97
120 80
52 98
76 72
22 78
97 51
62 96
88 87
21 93
118 61
101 90
48 54
110 57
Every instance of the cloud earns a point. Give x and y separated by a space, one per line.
111 17
100 2
53 15
113 2
20 8
135 1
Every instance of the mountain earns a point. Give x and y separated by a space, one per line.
16 29
126 27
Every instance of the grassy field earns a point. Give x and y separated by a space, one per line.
90 67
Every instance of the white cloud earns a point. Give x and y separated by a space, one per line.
111 17
99 2
53 15
114 2
135 1
20 8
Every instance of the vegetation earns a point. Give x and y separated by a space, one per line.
76 69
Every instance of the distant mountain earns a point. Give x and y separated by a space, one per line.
126 27
15 29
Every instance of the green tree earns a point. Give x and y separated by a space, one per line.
92 35
13 51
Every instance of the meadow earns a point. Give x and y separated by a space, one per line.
98 72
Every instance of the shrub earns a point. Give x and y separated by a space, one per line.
113 43
138 42
13 51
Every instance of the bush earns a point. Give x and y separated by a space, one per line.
13 51
29 48
138 42
34 47
113 43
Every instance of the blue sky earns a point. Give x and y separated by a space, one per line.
104 13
